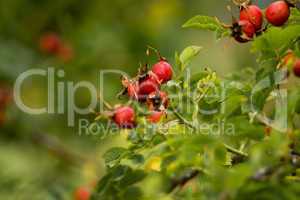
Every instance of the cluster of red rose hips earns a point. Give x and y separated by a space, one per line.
52 44
250 22
146 89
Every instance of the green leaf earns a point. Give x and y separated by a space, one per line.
243 128
275 42
232 104
113 156
133 193
207 23
132 177
187 55
295 16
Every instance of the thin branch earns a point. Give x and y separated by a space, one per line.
181 181
183 120
235 151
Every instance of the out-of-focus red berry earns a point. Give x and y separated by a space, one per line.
50 43
65 53
243 31
82 193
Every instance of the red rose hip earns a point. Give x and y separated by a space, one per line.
296 68
253 14
124 117
155 116
278 13
247 28
163 71
50 43
146 87
82 193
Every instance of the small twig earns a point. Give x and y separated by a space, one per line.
235 151
156 51
183 120
106 104
181 181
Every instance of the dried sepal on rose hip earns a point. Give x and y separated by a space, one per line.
158 101
278 13
241 3
242 31
252 14
131 88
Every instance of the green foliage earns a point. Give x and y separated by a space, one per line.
186 56
208 23
215 143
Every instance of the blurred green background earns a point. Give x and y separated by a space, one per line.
40 156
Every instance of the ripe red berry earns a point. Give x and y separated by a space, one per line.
155 116
247 28
146 87
163 71
124 117
50 43
82 193
278 13
132 90
253 14
296 68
